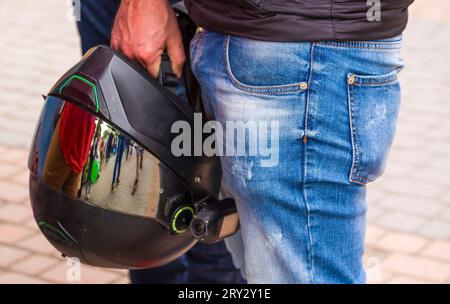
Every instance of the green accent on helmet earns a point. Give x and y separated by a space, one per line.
177 214
86 81
56 230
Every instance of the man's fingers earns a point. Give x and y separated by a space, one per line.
115 36
150 58
117 31
175 50
115 43
141 31
154 67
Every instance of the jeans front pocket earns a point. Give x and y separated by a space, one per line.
374 104
269 68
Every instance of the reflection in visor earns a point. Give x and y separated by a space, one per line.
69 149
87 158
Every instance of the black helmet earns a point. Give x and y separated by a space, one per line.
104 185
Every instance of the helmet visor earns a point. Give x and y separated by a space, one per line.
78 153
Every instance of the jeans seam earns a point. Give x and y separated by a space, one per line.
363 45
353 134
261 90
374 83
305 161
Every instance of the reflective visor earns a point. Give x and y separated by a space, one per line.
87 158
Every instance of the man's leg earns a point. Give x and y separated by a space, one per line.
115 174
176 272
119 156
97 17
302 213
212 267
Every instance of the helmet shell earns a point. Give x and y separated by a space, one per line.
114 92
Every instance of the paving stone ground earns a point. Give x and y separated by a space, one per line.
408 236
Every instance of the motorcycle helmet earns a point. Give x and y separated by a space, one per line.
104 185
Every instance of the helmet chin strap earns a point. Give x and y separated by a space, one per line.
166 76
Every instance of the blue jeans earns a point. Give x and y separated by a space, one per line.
118 161
96 22
335 105
203 263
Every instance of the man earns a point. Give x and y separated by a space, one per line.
203 263
324 75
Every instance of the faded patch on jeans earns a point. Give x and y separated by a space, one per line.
242 170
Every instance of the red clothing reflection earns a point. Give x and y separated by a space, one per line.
76 131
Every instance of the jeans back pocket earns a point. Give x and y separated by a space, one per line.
374 104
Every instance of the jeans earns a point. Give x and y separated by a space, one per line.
118 161
203 263
96 22
335 105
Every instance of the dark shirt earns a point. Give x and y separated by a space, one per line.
302 20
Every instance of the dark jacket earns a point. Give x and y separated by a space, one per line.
302 20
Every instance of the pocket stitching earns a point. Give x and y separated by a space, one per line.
271 90
354 176
374 45
375 80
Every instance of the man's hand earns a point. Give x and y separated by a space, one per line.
143 28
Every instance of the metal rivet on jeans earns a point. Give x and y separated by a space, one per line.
303 85
351 79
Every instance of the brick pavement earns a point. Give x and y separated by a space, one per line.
408 236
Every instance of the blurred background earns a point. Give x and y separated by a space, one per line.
408 235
